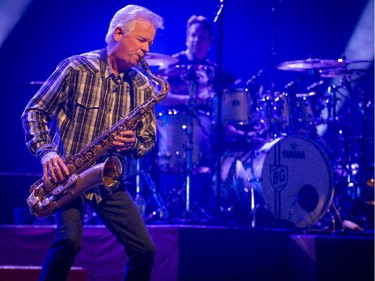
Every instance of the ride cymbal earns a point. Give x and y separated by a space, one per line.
306 64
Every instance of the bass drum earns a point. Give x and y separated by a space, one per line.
291 176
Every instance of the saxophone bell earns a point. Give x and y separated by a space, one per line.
108 174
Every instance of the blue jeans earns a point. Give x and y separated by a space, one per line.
120 215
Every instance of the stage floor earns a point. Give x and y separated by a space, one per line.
198 252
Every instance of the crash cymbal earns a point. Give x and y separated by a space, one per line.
342 72
302 65
155 59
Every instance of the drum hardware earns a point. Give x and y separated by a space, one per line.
298 109
253 78
138 177
184 141
342 141
314 86
142 201
347 143
270 110
192 77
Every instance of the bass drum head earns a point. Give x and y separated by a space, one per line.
293 176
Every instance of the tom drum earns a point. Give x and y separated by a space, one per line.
240 108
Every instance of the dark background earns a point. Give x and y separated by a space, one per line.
254 34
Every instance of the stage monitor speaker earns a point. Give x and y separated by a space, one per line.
317 258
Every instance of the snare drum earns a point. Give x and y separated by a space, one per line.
291 175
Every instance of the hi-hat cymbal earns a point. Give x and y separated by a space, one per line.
306 64
155 59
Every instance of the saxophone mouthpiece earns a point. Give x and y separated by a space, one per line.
164 85
144 65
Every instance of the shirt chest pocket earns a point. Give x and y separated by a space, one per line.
85 111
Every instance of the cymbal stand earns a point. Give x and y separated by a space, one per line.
161 210
349 197
332 120
192 78
350 167
141 203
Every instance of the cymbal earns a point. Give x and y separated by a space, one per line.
155 59
342 72
302 65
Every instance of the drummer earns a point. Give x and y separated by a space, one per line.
192 83
194 65
191 94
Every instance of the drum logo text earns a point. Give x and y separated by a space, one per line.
293 153
279 176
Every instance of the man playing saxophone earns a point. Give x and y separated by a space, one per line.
83 97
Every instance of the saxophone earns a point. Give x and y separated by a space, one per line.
44 199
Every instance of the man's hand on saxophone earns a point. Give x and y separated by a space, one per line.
54 169
126 140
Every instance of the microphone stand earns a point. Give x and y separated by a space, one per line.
219 126
192 78
274 11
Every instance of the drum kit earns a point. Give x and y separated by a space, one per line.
278 166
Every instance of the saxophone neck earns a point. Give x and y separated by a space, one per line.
163 84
